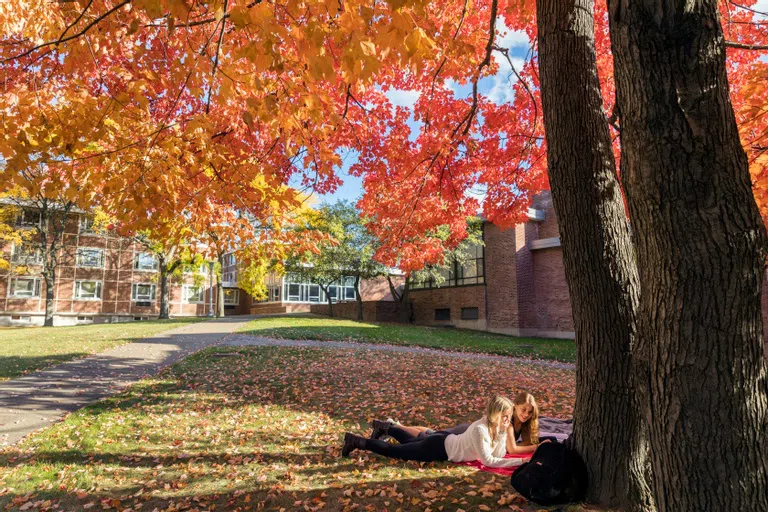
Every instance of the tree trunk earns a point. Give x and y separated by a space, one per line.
330 301
164 313
50 279
359 299
220 288
701 249
598 256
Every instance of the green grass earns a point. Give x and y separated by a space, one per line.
26 349
262 430
329 329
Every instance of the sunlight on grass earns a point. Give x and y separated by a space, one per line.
463 340
263 429
27 349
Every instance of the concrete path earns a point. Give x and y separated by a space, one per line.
41 398
259 341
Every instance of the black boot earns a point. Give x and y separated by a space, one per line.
351 443
380 428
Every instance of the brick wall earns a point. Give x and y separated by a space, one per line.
500 277
425 302
117 276
526 289
553 302
378 289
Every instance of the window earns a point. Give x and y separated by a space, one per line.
469 314
202 269
231 296
470 273
85 319
143 292
144 261
298 289
229 260
24 287
90 257
193 294
228 277
29 219
86 225
26 255
442 314
88 290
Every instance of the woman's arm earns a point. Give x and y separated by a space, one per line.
481 442
515 449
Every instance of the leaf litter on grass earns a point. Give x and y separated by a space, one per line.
263 430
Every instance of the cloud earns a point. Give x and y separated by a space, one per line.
499 88
403 98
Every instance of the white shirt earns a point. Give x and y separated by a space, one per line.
475 444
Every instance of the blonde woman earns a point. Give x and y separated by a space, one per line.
484 440
524 426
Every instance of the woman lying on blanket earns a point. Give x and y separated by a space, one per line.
484 440
524 426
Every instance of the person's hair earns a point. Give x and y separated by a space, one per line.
496 405
530 433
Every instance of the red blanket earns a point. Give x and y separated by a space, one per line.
499 471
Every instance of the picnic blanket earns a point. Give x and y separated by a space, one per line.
499 471
548 427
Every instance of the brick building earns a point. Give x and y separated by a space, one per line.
516 284
100 278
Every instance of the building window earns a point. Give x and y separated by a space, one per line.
229 260
26 287
228 277
26 255
202 269
29 219
90 257
86 225
470 314
231 296
296 289
193 294
88 290
143 292
442 314
470 273
144 261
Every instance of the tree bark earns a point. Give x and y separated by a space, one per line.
220 288
330 301
358 298
164 295
598 256
701 250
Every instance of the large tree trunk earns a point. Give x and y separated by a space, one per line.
598 256
701 249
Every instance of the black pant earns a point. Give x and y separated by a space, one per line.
428 449
403 437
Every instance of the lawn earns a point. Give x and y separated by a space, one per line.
463 340
26 349
261 428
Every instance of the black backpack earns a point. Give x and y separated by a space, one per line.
555 475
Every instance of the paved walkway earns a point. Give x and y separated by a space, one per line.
41 398
259 341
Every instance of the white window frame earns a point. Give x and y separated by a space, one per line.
137 259
12 288
37 260
202 269
79 286
237 297
185 292
149 298
85 227
79 262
